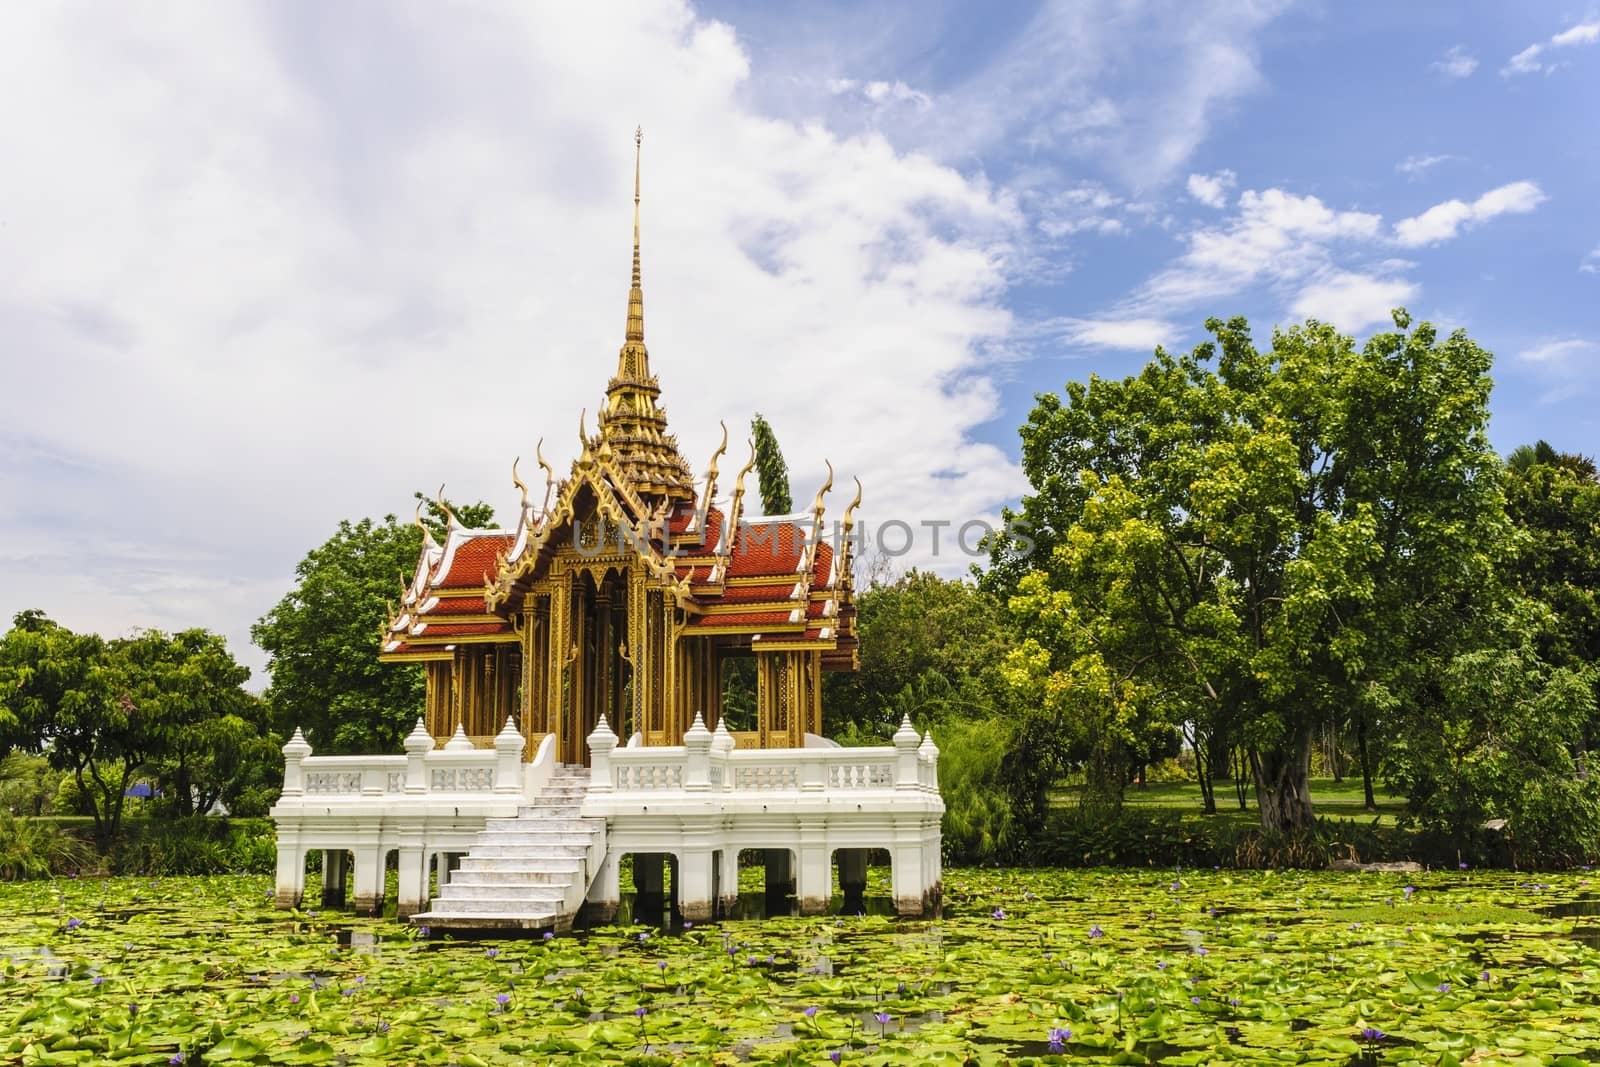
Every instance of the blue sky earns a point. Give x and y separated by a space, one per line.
1388 109
264 266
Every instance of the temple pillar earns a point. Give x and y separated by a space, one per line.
291 879
605 892
728 876
907 871
368 878
441 870
335 868
695 885
814 884
412 895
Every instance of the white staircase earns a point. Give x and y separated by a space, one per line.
530 872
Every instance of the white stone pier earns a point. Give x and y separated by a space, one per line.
538 841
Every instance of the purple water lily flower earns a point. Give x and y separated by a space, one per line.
294 998
811 1012
101 978
1409 890
424 931
835 1055
1484 977
549 935
492 953
641 1011
998 914
1161 965
503 999
1461 866
884 1018
1096 932
1372 1035
1059 1036
1444 987
1195 1001
73 924
1201 950
175 1059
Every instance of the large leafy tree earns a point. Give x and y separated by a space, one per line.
101 710
213 739
772 472
322 637
1254 541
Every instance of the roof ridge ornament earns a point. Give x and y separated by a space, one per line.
449 516
427 534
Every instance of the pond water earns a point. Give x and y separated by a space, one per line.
1046 966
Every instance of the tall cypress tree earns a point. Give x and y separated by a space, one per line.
776 499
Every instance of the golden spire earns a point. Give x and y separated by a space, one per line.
636 292
633 425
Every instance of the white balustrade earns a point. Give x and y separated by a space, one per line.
423 769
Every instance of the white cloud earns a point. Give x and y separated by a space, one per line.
1531 59
1443 221
1276 236
880 92
1135 334
1212 189
1086 207
265 282
1553 352
1352 301
1415 167
1591 262
1457 63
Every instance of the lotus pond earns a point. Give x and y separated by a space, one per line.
1024 966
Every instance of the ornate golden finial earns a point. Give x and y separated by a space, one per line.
816 505
711 473
583 429
449 516
636 291
850 510
427 534
549 476
521 485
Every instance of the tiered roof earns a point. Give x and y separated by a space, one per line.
771 582
443 605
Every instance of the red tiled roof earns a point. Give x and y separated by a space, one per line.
467 629
772 548
743 594
824 561
743 618
457 605
474 557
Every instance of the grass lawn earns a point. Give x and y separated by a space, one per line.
1339 800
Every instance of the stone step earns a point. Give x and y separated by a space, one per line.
502 905
509 876
531 864
456 892
525 851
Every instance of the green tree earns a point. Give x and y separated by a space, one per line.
213 739
1255 540
1555 505
65 694
322 638
772 472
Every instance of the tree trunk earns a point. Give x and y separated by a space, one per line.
1283 787
1202 768
1366 763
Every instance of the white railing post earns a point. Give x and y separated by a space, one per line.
294 754
418 744
929 754
697 757
602 742
906 740
508 746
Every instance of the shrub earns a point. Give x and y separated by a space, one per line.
35 848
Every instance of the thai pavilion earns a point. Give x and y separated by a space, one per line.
574 711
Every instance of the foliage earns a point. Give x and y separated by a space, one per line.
196 847
1174 967
37 848
1253 544
772 473
322 638
979 823
28 784
102 710
212 742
